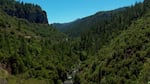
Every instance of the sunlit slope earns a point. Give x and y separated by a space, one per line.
28 52
125 60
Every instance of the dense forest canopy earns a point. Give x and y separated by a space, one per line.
110 47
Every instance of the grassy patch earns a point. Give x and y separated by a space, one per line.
3 73
15 80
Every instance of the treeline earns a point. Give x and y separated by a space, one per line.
103 31
113 50
31 12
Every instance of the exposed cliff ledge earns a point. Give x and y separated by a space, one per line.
33 13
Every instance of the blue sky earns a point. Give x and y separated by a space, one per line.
62 11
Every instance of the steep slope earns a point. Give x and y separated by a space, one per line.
33 53
124 61
31 12
100 34
113 48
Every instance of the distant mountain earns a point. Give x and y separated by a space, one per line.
78 26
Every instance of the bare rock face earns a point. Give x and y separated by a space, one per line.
3 81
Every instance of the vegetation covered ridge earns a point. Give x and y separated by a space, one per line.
110 50
31 12
33 53
125 59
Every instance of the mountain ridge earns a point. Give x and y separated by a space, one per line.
113 49
69 27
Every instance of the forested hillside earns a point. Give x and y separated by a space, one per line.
110 47
124 59
32 53
99 32
115 49
101 19
79 26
